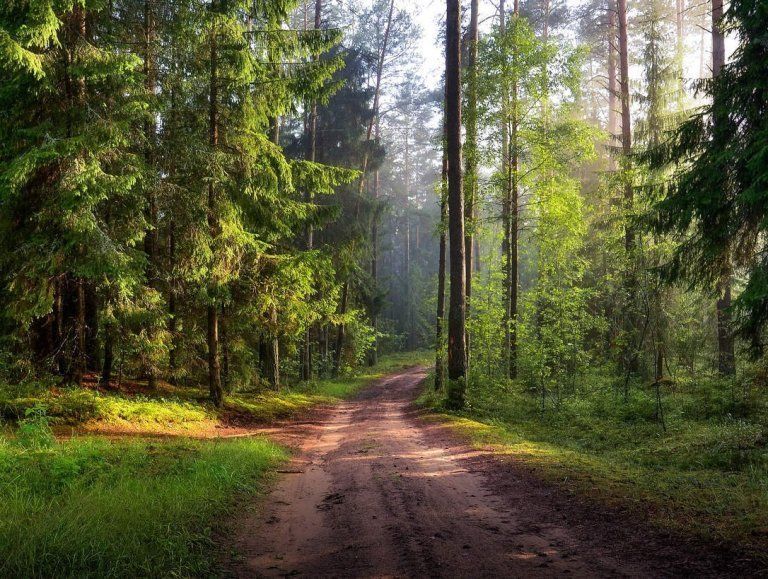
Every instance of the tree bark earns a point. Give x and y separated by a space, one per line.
407 230
510 210
150 238
612 88
306 351
457 355
626 121
471 158
439 359
214 364
272 362
726 358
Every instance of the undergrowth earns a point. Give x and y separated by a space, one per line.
704 470
183 410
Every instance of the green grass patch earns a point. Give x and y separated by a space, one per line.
184 411
96 507
707 474
91 507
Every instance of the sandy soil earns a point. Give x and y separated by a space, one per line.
376 492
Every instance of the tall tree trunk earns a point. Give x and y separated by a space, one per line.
457 354
510 209
373 357
726 359
407 206
214 364
306 351
471 158
341 336
626 121
439 359
612 85
150 238
631 354
506 213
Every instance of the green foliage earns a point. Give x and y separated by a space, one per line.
94 508
34 432
712 198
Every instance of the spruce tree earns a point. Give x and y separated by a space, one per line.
714 200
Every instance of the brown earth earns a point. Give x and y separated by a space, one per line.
376 492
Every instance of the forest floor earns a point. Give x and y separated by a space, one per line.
376 488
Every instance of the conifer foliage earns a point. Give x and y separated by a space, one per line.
148 212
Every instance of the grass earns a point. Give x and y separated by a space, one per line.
706 475
183 411
90 507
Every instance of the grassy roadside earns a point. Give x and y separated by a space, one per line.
90 506
705 476
177 411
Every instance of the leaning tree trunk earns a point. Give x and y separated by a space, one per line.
726 359
457 354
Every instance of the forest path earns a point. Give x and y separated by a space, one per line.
376 492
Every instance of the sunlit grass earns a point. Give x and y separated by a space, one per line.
185 410
94 508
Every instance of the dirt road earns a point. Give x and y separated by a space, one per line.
374 492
